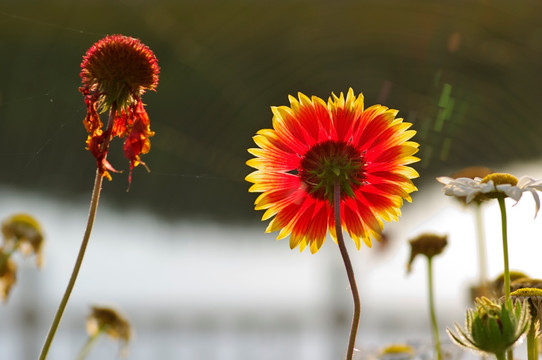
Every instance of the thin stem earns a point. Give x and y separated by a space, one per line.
505 250
349 270
436 337
90 222
75 272
532 344
482 257
506 274
88 345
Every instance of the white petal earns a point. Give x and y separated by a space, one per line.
525 181
487 187
511 191
471 196
444 180
536 200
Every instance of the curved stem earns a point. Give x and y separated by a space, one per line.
349 270
90 222
75 272
434 325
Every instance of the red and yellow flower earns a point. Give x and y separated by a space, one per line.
314 145
115 73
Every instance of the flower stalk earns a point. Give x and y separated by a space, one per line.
482 257
90 222
349 270
505 249
434 325
88 345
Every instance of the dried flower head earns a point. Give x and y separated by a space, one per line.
525 282
493 327
115 73
497 285
312 146
22 231
8 275
109 321
426 244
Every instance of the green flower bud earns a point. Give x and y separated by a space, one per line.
493 327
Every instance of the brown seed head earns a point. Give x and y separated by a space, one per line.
426 244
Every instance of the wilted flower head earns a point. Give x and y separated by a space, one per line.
108 321
8 275
426 244
314 145
22 231
497 285
493 327
525 282
115 72
495 185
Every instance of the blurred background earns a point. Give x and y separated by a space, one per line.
183 253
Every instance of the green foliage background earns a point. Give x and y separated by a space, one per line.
466 73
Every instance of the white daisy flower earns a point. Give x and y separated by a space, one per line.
492 186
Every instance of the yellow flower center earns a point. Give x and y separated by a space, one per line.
500 179
328 162
527 292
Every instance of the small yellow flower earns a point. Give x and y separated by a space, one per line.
397 352
22 231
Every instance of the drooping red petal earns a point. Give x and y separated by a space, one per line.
137 134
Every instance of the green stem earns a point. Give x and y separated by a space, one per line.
349 270
505 250
75 272
482 257
532 344
90 222
88 345
500 356
506 274
436 337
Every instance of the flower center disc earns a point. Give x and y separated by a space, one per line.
500 179
328 162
